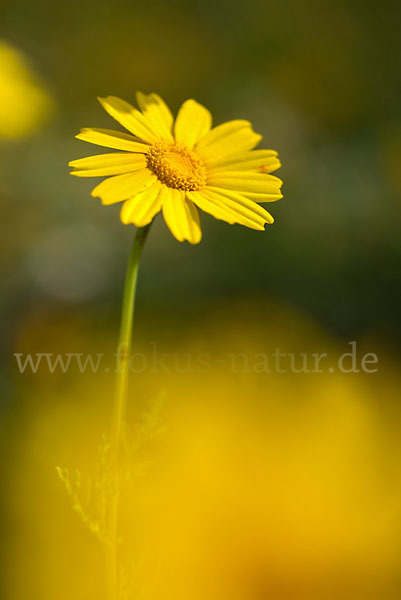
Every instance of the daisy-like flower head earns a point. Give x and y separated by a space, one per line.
178 167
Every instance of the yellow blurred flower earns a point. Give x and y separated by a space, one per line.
24 104
177 169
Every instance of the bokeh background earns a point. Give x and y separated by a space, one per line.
272 486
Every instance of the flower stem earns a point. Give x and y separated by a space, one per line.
124 344
120 401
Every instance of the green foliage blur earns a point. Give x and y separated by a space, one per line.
320 80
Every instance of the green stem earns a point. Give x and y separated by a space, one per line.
120 401
124 344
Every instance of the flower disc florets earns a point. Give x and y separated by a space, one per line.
177 167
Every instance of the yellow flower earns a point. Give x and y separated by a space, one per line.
25 105
175 168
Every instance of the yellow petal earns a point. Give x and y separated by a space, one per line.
112 139
181 216
193 123
257 186
158 113
231 207
114 163
205 201
233 136
141 209
121 187
264 161
130 118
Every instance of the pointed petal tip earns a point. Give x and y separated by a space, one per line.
103 101
81 132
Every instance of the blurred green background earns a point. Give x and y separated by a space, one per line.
322 82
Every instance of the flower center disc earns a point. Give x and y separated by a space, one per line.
176 166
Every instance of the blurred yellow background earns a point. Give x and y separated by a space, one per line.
260 485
